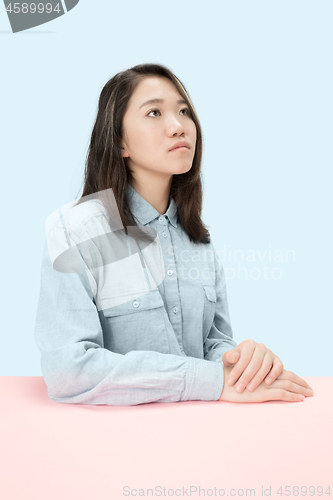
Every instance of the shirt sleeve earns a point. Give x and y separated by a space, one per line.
78 369
220 338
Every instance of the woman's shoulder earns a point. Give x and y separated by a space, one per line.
75 224
76 218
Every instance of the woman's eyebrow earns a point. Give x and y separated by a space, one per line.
180 101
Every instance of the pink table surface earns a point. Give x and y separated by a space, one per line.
59 451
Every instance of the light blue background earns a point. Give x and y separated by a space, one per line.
260 76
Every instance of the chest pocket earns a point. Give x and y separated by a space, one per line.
209 308
138 324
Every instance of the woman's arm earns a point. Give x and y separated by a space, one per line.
78 369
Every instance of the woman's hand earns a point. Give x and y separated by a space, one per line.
252 362
287 387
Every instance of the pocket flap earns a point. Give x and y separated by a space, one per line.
150 300
210 292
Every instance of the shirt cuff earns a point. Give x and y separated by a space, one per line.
204 380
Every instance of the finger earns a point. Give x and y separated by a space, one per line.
295 378
276 370
266 365
252 370
235 356
231 357
290 386
244 360
283 395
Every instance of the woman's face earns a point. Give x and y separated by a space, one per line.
152 129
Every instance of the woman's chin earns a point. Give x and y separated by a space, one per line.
181 169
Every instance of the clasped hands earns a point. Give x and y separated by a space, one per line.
253 363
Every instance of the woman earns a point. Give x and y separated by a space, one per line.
133 305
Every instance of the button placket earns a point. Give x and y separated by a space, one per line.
171 285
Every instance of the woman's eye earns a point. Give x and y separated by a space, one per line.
153 111
157 110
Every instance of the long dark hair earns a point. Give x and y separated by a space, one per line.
105 166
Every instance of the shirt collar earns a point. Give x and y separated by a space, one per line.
144 212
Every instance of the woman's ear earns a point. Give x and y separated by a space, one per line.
124 153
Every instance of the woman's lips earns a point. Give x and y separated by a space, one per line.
183 148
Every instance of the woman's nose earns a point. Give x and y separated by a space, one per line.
175 125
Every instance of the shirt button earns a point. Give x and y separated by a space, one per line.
136 303
164 234
181 350
161 219
175 309
170 272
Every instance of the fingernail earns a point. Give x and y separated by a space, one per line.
240 388
250 387
310 391
231 380
269 380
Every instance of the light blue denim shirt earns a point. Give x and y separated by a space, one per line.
122 334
